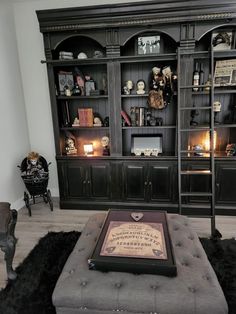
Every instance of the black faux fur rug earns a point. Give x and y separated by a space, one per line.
222 256
31 292
37 275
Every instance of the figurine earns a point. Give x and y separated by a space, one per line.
89 84
128 87
34 166
230 150
168 88
216 109
70 146
76 122
105 143
193 114
98 54
67 91
106 122
197 150
97 121
140 87
157 79
80 80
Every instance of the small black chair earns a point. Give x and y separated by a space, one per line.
8 241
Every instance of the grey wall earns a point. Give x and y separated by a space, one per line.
14 137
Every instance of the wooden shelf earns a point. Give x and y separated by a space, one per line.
82 97
92 128
149 127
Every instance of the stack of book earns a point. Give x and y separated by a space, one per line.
66 55
85 117
137 116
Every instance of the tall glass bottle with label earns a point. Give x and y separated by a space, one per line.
196 78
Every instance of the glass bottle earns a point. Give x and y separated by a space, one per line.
196 77
201 76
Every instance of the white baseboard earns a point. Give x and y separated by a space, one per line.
18 204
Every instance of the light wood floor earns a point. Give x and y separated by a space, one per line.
30 229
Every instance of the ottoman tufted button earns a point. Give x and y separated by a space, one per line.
72 271
176 228
88 233
154 287
196 255
118 285
192 289
191 237
185 263
179 244
206 277
81 249
83 283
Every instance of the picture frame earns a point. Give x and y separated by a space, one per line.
223 39
149 44
135 242
225 73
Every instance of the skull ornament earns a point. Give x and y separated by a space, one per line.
231 150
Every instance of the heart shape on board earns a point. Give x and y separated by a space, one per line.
137 216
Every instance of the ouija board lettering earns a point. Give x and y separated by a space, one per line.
134 239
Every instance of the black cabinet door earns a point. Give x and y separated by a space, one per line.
135 181
99 180
160 185
76 180
198 182
225 183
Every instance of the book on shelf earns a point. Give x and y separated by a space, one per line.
137 115
125 117
85 117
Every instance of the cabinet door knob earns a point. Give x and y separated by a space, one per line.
150 183
145 183
89 182
84 182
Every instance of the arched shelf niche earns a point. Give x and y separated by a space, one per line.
205 40
149 43
79 44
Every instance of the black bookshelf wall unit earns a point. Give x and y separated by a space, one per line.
108 45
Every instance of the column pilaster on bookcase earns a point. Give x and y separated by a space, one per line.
112 40
113 51
114 79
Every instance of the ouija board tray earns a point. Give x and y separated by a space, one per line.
134 242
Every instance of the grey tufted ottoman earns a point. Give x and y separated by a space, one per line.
195 290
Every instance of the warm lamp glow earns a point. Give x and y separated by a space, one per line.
88 149
207 143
